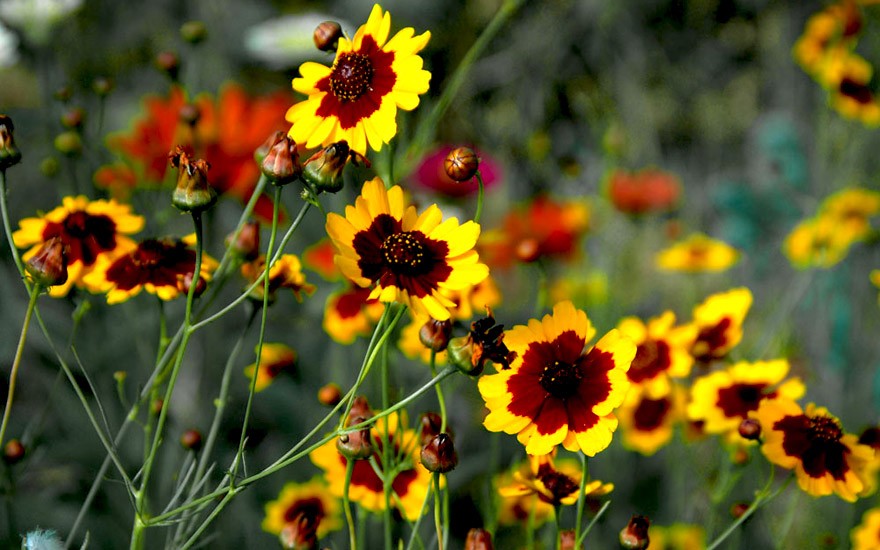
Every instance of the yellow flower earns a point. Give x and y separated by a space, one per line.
719 322
678 536
646 422
350 313
866 535
356 100
723 399
274 359
820 242
552 483
310 498
812 443
556 390
852 207
286 272
90 230
410 258
662 351
515 510
697 253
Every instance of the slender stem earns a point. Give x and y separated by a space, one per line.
557 520
16 363
440 399
585 474
438 520
377 334
248 209
762 497
388 476
415 528
580 540
478 214
5 213
346 505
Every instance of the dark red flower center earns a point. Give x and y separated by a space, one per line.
738 399
824 429
711 341
652 358
351 76
650 413
558 484
311 507
404 251
856 91
85 235
160 262
561 379
815 440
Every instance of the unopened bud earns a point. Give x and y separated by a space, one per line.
192 194
281 164
73 118
635 535
168 63
461 164
120 376
356 445
435 334
69 143
327 36
323 170
568 540
300 533
191 440
247 244
9 153
478 539
189 114
13 451
750 429
194 32
156 406
103 85
360 408
430 425
738 509
460 353
49 167
185 281
48 267
330 395
439 454
263 150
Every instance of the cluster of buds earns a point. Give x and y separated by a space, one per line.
357 445
192 194
48 267
281 163
9 153
484 341
323 170
635 535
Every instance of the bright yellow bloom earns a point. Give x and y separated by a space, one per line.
647 423
274 359
719 322
820 242
410 258
311 499
90 230
696 254
662 352
866 535
557 390
553 483
356 100
350 313
852 206
678 536
517 509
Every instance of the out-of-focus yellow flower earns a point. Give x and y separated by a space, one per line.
311 499
719 322
584 289
274 359
866 535
678 536
697 253
819 242
647 423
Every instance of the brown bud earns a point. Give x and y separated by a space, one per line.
281 164
247 244
435 334
461 164
439 455
168 63
329 395
69 143
48 267
750 429
263 150
327 36
194 32
300 533
192 194
184 282
430 424
356 445
360 408
323 170
189 114
103 85
738 509
73 118
635 535
478 539
567 540
9 153
191 440
13 451
156 406
528 250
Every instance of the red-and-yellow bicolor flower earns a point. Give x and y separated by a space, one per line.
408 257
719 322
275 358
646 422
310 499
662 352
556 389
356 100
697 254
553 483
350 313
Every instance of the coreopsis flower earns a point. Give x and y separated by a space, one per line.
719 322
854 99
356 100
275 358
89 230
662 351
647 423
852 207
411 479
516 509
311 499
431 174
648 190
866 535
723 399
820 242
871 438
319 258
159 266
812 443
350 313
558 391
286 272
833 28
697 254
410 258
554 484
544 228
226 132
678 536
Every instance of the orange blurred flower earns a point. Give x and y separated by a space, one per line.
648 190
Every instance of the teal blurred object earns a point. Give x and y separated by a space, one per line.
778 141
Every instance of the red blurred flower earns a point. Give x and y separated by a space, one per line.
648 190
225 132
431 174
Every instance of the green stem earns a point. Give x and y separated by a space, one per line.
388 476
16 363
557 520
585 474
440 400
478 214
438 521
346 505
5 213
599 514
415 528
762 497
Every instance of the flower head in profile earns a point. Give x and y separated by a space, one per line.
647 422
274 359
812 442
697 254
866 535
719 322
357 98
303 499
553 483
662 351
557 390
286 272
159 266
89 231
408 257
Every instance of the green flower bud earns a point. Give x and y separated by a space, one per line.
192 194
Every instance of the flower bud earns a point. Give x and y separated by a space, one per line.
247 244
69 143
184 282
567 540
194 32
430 424
355 445
9 153
103 85
330 395
120 376
300 533
439 454
156 406
13 451
189 114
461 164
263 150
738 509
327 36
750 429
281 164
192 194
360 408
435 334
323 170
635 535
73 118
48 267
191 440
49 167
460 352
168 63
478 539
